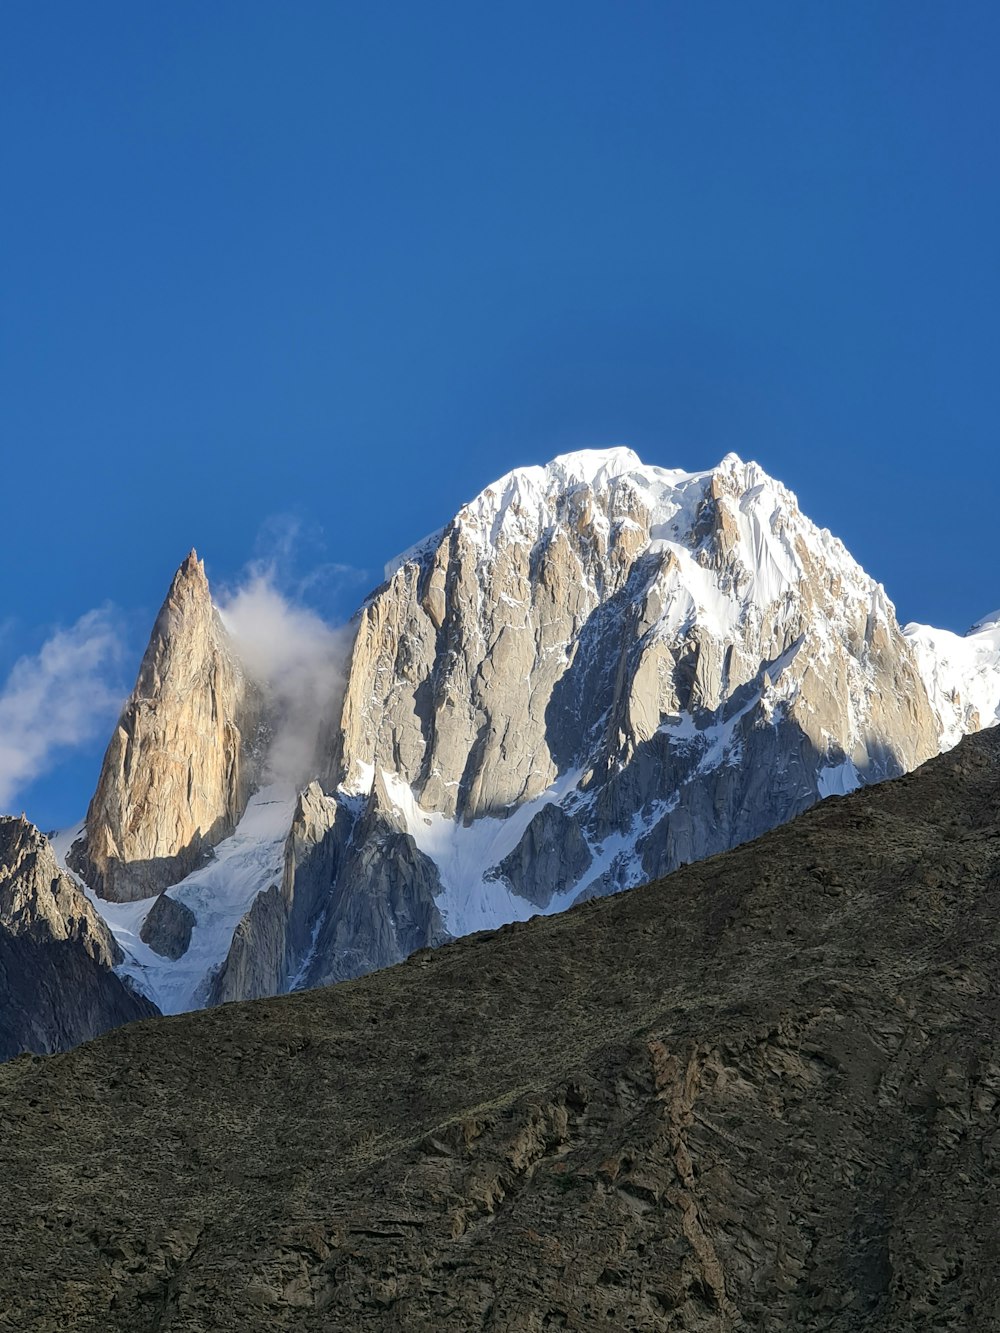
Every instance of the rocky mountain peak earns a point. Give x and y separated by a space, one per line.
183 760
617 667
185 624
518 613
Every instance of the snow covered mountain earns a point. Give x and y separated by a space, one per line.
599 670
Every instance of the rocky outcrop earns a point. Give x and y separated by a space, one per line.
184 757
167 927
57 986
761 1094
255 964
356 894
274 941
382 905
37 899
552 856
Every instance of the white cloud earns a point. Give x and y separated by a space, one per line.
57 698
299 657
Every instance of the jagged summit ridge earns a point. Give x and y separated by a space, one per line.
597 671
518 584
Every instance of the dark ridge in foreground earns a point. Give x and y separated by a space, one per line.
760 1094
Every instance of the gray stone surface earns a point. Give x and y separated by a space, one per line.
167 927
276 939
382 904
255 963
56 954
552 856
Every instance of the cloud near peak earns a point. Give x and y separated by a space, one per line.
57 698
299 657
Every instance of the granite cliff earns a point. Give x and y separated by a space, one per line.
183 759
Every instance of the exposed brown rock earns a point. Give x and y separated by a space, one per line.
759 1094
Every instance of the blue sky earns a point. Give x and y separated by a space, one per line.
339 265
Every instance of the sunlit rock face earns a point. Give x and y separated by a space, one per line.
634 630
183 760
573 615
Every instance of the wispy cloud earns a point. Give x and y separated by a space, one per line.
60 697
291 556
286 645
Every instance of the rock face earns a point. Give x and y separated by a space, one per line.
356 895
384 902
57 986
184 758
572 616
552 856
760 1094
167 927
600 671
275 939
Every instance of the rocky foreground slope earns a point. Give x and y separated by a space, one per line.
763 1093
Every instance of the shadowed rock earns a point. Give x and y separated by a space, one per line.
761 1093
56 954
167 927
552 856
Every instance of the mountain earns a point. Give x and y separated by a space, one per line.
181 764
57 984
761 1093
960 672
598 671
